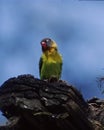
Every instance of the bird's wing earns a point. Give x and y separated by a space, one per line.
40 65
60 68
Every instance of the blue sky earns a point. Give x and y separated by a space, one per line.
76 26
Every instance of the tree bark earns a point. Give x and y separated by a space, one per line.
32 104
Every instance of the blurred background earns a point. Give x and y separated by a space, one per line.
76 25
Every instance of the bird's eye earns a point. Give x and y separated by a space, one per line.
47 40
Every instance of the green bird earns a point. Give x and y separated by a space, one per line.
50 64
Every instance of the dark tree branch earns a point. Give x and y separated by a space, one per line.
30 103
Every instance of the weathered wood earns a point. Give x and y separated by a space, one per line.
96 112
30 103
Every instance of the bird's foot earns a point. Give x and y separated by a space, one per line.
52 79
46 80
62 81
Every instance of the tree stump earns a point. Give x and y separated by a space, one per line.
32 104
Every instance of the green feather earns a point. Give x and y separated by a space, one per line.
50 65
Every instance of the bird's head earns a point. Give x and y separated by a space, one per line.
48 44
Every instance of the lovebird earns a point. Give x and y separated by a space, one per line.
50 63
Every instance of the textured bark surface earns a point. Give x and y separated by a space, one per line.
96 113
32 104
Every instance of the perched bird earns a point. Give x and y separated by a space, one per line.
50 64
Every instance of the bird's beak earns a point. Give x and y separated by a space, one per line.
44 44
